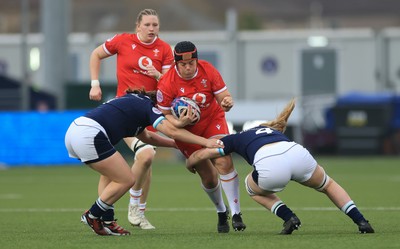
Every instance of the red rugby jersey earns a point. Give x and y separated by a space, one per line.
132 58
202 88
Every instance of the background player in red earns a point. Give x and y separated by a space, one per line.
200 81
142 58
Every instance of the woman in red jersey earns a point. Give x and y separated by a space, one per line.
201 81
142 58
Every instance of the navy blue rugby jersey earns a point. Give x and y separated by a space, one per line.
246 143
126 116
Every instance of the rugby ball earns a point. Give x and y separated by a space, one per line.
181 104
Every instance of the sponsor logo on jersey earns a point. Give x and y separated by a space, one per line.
160 96
182 90
199 98
144 61
156 111
133 46
218 126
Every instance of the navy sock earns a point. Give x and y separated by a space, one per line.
356 215
352 211
108 215
99 208
282 211
96 211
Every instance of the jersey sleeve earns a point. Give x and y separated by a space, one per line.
218 83
165 93
111 45
168 57
228 143
156 117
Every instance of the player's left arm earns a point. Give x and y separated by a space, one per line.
225 100
220 90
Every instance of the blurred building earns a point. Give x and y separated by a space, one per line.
177 15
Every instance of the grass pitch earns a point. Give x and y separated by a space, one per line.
40 207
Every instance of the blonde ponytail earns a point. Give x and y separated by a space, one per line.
280 122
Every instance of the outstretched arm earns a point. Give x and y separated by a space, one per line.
155 139
200 155
183 135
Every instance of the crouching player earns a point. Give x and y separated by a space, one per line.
277 160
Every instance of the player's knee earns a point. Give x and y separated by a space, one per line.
210 185
224 165
249 190
131 182
145 156
146 151
128 181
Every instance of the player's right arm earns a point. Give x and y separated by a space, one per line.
201 155
183 135
95 59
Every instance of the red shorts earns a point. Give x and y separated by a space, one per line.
207 128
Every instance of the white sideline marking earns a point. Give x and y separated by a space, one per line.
10 196
60 210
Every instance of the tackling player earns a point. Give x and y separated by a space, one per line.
142 58
92 137
276 161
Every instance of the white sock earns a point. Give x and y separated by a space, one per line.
215 196
142 207
135 196
230 185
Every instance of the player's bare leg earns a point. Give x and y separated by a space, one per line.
338 195
141 169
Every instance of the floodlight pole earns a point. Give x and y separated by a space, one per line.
55 29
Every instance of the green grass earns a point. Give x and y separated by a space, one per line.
40 207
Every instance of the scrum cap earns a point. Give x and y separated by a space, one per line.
185 50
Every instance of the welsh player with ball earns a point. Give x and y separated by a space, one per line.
198 84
